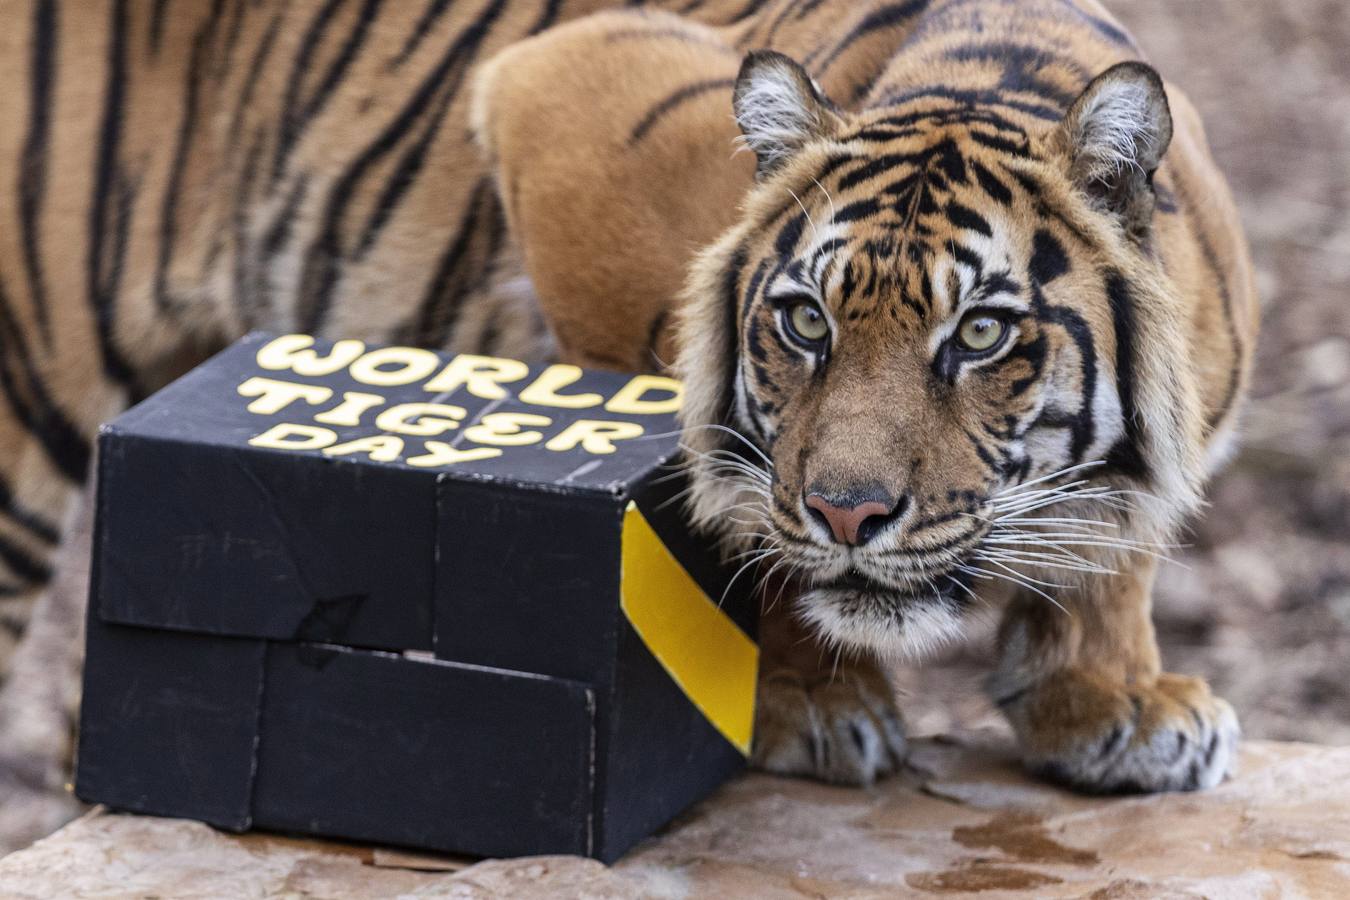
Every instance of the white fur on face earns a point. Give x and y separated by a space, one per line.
924 625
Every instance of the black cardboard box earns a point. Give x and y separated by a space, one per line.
397 596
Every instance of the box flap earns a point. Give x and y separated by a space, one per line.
527 580
169 723
229 541
373 746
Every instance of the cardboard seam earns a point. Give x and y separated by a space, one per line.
255 762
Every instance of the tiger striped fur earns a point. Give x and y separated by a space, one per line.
182 173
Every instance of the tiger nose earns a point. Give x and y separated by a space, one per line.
854 517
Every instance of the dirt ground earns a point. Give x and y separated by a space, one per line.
1260 601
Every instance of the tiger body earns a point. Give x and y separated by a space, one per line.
183 173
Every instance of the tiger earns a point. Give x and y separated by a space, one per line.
969 346
555 180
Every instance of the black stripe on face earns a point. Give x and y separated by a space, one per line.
1049 262
754 343
1127 456
1033 352
996 283
967 257
961 114
950 162
999 143
966 218
33 169
822 251
731 310
879 165
834 163
991 184
742 305
1084 428
1048 259
662 108
785 244
859 209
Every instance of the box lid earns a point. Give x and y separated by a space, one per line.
556 427
389 498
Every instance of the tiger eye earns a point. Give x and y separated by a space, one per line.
980 332
808 321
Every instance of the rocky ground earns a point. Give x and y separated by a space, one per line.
1260 602
964 820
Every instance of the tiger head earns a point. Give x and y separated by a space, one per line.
932 324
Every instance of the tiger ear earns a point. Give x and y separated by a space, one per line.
779 108
1115 135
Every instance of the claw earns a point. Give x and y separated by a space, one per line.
838 731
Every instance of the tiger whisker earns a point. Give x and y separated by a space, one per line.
736 434
1060 473
1016 579
815 233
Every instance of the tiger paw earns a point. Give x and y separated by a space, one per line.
1094 735
843 730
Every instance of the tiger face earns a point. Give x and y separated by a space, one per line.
931 317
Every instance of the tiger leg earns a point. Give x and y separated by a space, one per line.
1083 690
821 715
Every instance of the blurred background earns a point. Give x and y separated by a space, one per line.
1259 602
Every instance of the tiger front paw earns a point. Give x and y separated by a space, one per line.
1094 735
843 730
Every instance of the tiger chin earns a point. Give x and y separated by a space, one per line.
956 360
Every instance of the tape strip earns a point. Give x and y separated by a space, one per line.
703 650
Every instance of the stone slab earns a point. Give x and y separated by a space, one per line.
964 820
